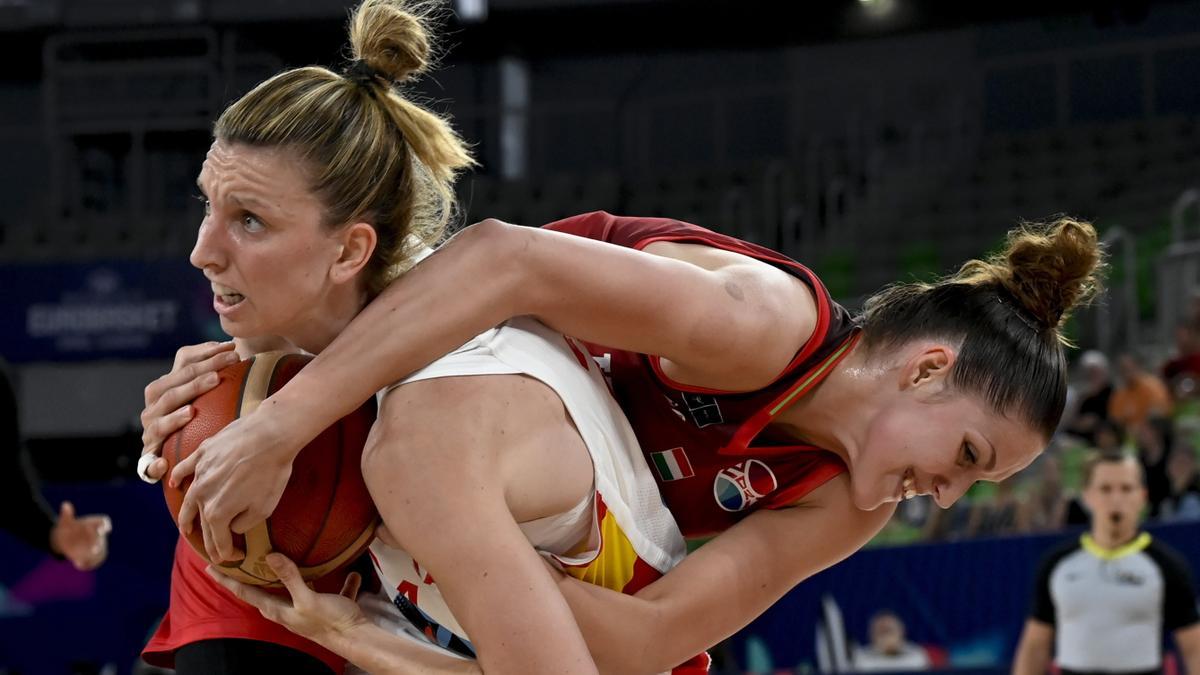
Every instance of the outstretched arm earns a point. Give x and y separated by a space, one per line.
724 585
693 310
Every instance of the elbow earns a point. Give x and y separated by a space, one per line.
666 660
507 252
648 660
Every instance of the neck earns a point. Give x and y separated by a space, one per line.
1109 536
326 321
820 417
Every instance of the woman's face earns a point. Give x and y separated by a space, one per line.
274 268
934 440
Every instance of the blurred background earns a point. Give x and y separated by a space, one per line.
873 140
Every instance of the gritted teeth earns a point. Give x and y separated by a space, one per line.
229 296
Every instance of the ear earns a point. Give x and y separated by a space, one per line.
357 243
928 368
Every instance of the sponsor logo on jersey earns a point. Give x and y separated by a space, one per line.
738 487
1128 578
703 409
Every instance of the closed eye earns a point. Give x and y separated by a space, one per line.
971 455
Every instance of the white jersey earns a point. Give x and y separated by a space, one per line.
621 537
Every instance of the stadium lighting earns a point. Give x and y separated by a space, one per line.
878 9
471 11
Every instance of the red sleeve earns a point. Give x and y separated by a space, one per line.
620 230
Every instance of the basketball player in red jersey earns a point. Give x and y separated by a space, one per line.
752 394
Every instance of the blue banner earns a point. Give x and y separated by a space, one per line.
101 310
966 600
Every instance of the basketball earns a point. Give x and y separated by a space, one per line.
325 518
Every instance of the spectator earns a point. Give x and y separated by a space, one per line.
1182 373
953 523
1096 390
1138 396
889 650
996 516
1153 440
1183 502
1107 437
1045 510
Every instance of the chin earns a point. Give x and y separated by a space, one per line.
244 329
870 502
233 329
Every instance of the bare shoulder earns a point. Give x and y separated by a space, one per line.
510 432
773 311
769 279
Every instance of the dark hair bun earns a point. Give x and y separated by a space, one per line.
1052 268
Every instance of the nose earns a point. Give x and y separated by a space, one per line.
208 249
947 491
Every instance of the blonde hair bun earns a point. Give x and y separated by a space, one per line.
393 37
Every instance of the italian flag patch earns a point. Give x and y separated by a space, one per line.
672 464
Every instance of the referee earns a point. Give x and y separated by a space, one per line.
1104 601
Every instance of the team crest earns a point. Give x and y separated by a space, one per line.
703 409
738 487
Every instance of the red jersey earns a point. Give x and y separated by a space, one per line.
202 609
715 458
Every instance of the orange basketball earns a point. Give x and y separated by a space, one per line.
325 518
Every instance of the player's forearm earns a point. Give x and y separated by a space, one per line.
463 289
1191 662
1031 659
377 651
622 631
1191 656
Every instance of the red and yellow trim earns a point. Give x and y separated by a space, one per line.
616 565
